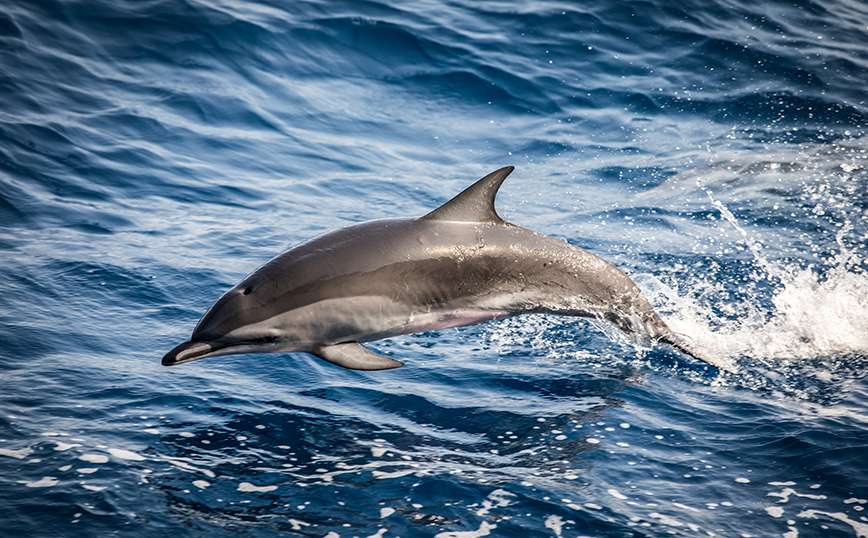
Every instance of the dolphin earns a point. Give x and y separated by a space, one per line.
460 264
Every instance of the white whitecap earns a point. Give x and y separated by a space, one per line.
18 454
126 454
250 488
556 524
485 529
775 511
617 494
44 482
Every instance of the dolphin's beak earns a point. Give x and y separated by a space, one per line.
186 352
192 350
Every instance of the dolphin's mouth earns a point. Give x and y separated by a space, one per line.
192 350
188 351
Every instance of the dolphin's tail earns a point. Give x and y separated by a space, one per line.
682 344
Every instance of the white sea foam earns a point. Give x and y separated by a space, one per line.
44 482
785 493
382 475
556 524
775 511
297 524
617 494
247 487
485 529
812 315
860 528
125 454
19 454
496 499
666 520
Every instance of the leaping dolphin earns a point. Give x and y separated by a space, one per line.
460 264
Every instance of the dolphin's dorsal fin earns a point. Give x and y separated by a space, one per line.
475 203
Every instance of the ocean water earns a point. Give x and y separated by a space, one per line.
152 153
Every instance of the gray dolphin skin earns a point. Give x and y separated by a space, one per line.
459 265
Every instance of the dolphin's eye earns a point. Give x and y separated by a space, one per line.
247 290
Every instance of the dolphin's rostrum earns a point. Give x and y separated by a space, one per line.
461 264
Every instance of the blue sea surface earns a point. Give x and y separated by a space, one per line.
154 152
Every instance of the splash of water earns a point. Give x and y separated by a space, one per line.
812 313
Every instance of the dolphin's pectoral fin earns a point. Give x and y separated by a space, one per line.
355 357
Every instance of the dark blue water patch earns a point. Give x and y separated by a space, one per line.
467 87
8 28
569 388
12 211
121 282
641 178
544 148
19 98
94 229
734 59
603 98
21 344
153 22
36 146
389 45
218 112
773 108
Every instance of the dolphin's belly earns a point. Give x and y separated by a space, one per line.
367 318
445 320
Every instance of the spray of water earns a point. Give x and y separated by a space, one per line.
812 314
